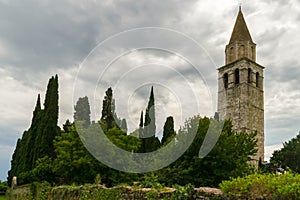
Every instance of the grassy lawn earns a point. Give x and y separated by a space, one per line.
2 198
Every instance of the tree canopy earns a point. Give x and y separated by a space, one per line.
37 142
83 111
59 156
288 156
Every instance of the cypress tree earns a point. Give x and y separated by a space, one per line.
83 111
37 111
151 142
141 129
37 142
47 129
107 109
168 130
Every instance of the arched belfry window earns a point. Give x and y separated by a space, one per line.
225 79
257 79
237 76
249 75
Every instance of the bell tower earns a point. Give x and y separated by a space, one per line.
240 85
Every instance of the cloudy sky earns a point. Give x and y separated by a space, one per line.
131 45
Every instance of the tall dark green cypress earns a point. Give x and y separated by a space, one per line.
48 129
108 109
151 142
37 111
168 132
141 130
37 142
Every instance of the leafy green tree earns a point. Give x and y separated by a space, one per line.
168 133
73 163
288 156
43 170
3 187
230 156
83 111
120 139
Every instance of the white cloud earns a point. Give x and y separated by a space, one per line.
270 149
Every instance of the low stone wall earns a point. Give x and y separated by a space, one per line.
100 192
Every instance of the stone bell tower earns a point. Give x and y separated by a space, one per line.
240 85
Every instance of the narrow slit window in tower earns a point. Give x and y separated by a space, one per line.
237 76
257 79
249 75
225 78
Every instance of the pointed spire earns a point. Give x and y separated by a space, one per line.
240 31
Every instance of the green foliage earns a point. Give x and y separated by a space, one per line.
37 142
85 192
147 133
183 193
3 186
39 190
2 198
264 186
83 111
43 170
98 179
151 181
169 132
108 111
46 154
229 157
120 139
288 156
73 163
152 195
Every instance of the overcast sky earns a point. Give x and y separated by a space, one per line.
90 44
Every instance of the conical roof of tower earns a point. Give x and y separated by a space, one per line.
240 31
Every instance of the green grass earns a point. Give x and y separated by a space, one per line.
3 198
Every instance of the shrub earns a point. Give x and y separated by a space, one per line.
263 186
183 193
3 186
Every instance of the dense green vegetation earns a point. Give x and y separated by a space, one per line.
289 156
279 179
47 153
264 186
2 197
82 111
37 142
